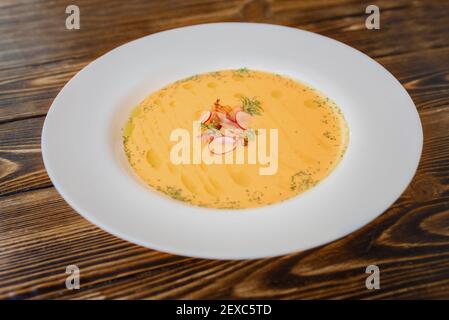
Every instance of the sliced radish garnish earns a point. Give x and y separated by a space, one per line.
205 116
206 137
221 116
243 119
231 115
235 133
209 135
222 145
228 124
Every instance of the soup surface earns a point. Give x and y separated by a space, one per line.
184 140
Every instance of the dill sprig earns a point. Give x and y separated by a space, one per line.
251 105
242 70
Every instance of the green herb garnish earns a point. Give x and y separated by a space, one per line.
175 193
251 106
242 70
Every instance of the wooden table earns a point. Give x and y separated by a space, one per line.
40 234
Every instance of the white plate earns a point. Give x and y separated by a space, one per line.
82 145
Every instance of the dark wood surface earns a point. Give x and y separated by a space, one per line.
40 234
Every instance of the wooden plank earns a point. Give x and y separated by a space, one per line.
21 162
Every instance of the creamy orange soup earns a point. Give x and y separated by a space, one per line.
233 110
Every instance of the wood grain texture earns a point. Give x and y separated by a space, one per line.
40 234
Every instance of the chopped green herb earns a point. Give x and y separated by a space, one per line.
175 193
242 70
251 105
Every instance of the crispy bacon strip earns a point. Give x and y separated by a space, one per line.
220 108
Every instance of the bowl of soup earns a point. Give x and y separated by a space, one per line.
232 141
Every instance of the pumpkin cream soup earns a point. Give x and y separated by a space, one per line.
235 139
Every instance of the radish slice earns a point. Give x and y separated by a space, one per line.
228 124
205 116
221 116
206 137
222 145
209 135
235 133
232 114
243 119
